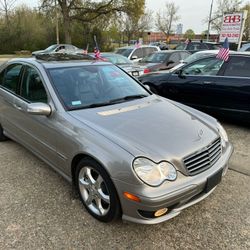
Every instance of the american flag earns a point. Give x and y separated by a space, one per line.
97 53
223 53
137 44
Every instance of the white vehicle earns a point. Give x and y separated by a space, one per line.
135 53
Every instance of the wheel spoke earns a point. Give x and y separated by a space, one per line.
89 175
89 199
84 183
103 196
99 206
98 182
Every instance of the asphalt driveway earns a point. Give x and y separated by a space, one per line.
39 210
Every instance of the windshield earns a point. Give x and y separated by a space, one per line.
118 59
181 46
155 58
196 56
124 52
94 85
50 48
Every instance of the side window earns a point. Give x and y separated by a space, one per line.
175 57
10 77
148 51
248 49
238 66
204 67
32 88
184 55
138 53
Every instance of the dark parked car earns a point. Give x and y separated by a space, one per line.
163 60
209 84
193 47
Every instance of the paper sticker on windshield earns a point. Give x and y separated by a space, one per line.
74 103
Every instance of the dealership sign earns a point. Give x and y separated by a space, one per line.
232 27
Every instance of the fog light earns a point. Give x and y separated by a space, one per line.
160 212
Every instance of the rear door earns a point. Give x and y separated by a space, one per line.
234 86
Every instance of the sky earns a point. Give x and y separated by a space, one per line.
192 13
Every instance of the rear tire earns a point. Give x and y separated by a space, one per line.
96 190
2 136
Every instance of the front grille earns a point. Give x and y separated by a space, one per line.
203 159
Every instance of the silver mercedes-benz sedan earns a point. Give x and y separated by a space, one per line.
128 152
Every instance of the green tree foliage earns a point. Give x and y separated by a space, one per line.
189 34
27 30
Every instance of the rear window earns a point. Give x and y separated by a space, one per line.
124 52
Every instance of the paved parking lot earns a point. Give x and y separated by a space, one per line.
39 210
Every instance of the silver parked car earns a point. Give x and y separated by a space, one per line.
128 152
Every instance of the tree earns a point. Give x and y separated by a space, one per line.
84 11
166 18
189 34
5 7
223 6
246 33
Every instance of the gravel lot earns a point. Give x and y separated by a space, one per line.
39 210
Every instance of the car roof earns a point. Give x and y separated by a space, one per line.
141 46
58 64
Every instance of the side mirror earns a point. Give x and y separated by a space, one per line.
180 73
134 57
39 108
147 87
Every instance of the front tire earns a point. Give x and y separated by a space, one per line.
96 190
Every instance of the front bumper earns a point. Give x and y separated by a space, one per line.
185 192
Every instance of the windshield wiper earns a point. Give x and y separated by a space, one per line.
127 98
114 101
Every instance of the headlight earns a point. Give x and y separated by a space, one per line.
222 132
154 174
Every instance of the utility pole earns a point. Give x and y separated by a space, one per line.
57 24
210 19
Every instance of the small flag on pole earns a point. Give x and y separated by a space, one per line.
96 50
223 53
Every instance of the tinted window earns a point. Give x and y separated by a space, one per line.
147 51
138 53
208 66
238 66
124 52
79 87
11 77
184 55
32 87
175 57
155 58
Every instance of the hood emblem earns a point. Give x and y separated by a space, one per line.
200 133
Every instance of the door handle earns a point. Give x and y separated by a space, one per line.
17 107
207 82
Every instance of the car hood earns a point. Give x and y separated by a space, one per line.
152 127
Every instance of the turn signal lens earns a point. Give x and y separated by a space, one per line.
131 197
